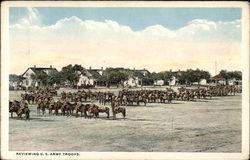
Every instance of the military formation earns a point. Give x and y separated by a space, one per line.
86 102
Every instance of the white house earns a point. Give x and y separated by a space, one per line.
27 75
234 82
92 77
173 81
159 82
132 82
203 82
85 80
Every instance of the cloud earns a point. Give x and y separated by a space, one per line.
32 17
200 29
108 43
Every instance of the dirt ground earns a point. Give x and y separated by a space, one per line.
200 126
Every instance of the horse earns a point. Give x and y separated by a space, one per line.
28 97
119 110
22 108
39 106
68 108
104 110
14 107
79 108
93 110
25 111
52 106
141 99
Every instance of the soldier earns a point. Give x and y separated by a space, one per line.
23 105
78 107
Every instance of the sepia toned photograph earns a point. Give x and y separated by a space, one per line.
129 77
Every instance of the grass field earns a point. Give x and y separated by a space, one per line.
201 126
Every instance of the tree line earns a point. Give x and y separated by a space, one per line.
71 74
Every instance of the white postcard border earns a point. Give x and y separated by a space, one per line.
6 154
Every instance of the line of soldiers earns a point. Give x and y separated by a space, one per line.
44 99
68 109
130 97
33 96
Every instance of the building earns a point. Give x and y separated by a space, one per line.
159 82
143 76
92 77
234 81
28 81
132 82
85 80
218 79
97 76
99 71
174 80
203 82
143 71
15 82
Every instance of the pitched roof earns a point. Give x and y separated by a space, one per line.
141 70
42 69
96 75
217 77
39 69
96 69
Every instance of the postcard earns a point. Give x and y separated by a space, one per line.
124 80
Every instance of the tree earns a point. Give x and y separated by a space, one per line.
14 78
231 75
182 77
54 77
155 76
116 75
200 74
40 76
205 75
69 73
224 74
77 67
237 75
191 76
136 74
167 75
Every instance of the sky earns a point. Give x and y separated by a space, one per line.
157 39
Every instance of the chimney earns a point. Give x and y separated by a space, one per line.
134 69
170 70
50 66
144 69
34 66
101 68
179 70
90 68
